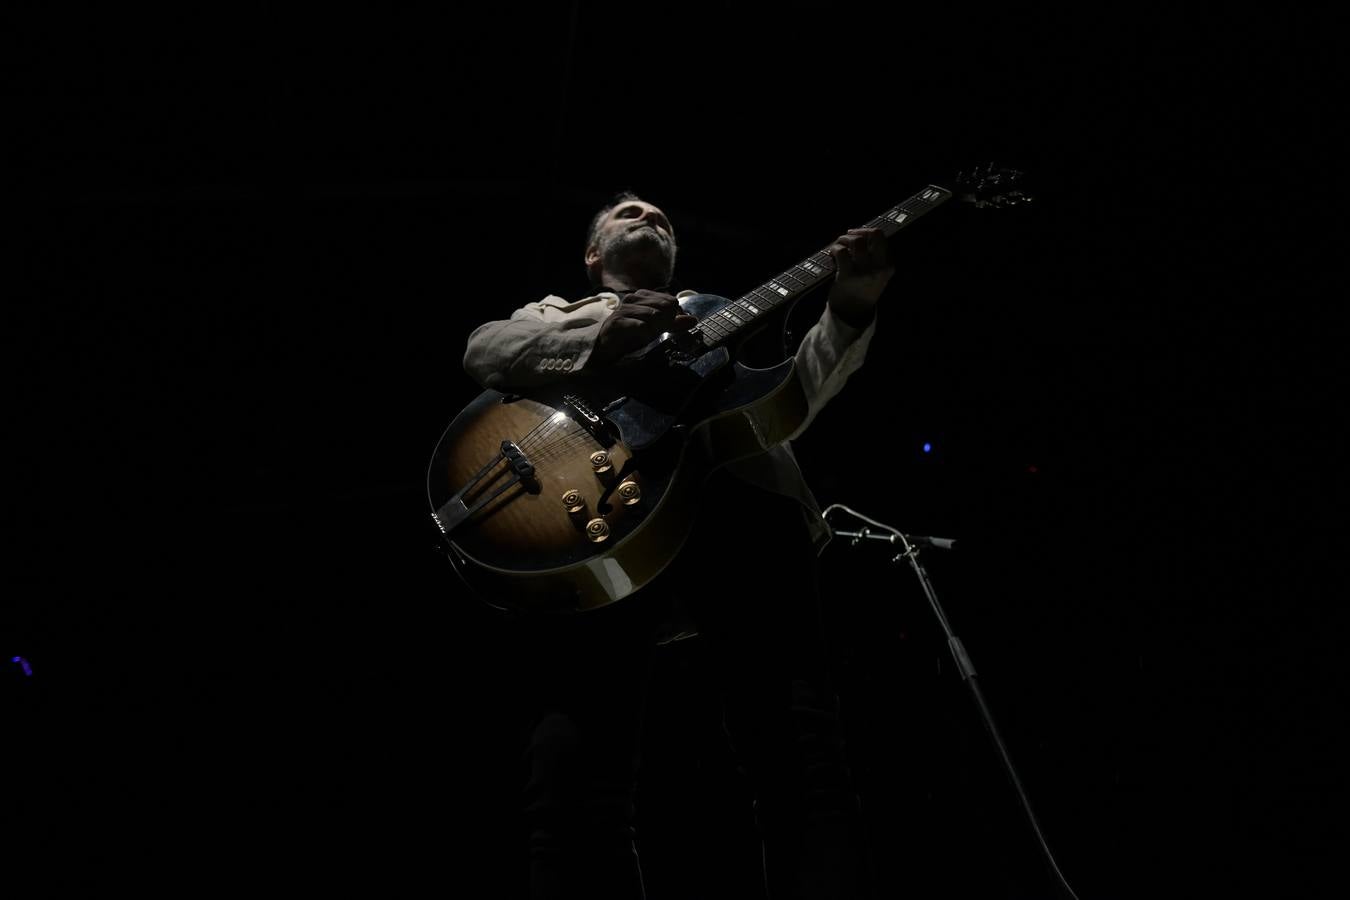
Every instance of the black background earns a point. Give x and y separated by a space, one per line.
249 251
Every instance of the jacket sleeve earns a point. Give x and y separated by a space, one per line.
831 351
528 350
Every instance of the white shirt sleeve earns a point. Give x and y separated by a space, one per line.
831 351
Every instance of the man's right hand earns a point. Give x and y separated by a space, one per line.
636 322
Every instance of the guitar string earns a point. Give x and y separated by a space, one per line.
540 434
544 435
522 441
569 441
545 453
537 433
558 448
546 440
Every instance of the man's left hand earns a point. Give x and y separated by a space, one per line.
861 273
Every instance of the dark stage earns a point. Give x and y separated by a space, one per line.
249 252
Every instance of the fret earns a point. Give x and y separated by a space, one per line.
811 268
748 306
777 288
713 337
792 281
734 319
806 279
717 327
922 201
757 301
769 298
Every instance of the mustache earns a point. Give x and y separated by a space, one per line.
638 229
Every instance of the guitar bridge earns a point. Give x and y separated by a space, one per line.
454 511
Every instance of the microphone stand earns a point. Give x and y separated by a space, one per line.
909 545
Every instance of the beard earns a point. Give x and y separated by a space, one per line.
643 252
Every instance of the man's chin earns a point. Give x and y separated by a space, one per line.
646 237
649 256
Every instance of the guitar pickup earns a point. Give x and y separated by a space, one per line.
580 412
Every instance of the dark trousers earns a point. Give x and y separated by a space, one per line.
749 583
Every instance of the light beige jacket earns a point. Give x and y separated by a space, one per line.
543 341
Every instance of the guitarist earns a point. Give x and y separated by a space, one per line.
759 614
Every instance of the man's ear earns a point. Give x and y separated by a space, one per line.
592 256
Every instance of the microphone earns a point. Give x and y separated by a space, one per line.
938 543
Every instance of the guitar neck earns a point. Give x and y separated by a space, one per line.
745 314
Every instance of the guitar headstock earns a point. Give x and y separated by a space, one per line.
992 185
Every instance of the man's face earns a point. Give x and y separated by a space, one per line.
635 235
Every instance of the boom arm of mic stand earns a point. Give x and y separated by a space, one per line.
866 533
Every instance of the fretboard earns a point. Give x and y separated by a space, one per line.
743 314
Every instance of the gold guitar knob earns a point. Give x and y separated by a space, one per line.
597 530
604 469
630 493
572 501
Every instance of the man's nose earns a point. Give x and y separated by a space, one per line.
654 219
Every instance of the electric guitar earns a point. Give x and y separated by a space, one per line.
574 496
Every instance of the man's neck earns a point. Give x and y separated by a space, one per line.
626 284
635 278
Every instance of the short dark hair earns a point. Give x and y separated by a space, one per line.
621 197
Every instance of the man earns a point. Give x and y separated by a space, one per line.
761 623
